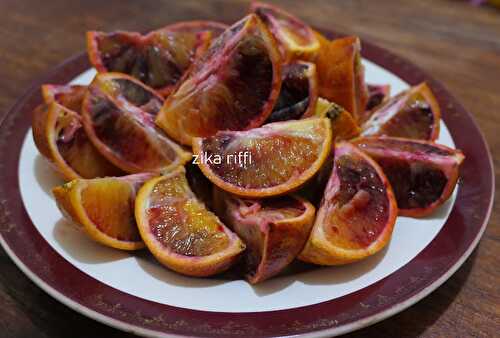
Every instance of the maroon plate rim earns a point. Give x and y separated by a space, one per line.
424 273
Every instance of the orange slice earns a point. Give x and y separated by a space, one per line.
69 96
341 74
180 232
59 135
376 95
423 174
357 213
297 40
274 230
233 86
413 113
268 161
298 94
159 58
344 127
103 207
118 115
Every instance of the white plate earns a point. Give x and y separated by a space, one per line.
141 276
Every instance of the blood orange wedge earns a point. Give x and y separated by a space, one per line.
69 96
104 208
413 113
341 74
59 135
357 213
233 86
159 59
299 92
268 161
376 95
422 174
296 40
118 115
274 230
343 125
180 232
343 128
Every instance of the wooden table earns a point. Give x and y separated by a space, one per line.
455 42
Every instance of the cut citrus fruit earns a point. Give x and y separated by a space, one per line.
233 86
159 59
104 208
343 125
268 161
376 95
180 232
118 115
341 74
413 113
296 40
59 135
69 96
299 92
274 230
422 174
343 128
357 213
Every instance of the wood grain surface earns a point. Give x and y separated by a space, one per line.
455 42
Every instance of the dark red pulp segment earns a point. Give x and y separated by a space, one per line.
415 184
415 120
252 62
361 199
124 131
238 72
134 54
376 94
139 96
294 94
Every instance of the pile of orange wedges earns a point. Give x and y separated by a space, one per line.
245 146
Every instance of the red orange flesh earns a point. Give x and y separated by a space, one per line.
180 232
233 86
413 113
159 58
118 116
422 174
357 213
274 230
